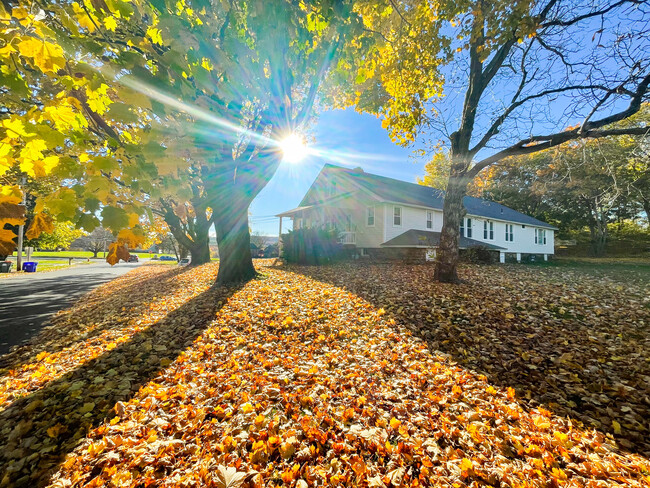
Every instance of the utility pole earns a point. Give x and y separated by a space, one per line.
21 231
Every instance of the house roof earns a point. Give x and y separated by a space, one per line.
398 191
426 239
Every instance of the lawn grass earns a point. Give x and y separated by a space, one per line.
350 375
88 254
619 268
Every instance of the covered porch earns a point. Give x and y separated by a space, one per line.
327 216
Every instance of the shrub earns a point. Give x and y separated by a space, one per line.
311 246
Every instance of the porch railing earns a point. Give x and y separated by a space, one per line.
348 238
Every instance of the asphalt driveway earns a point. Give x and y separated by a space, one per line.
27 301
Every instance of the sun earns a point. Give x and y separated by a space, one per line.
294 148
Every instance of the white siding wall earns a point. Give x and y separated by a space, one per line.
524 237
412 218
416 218
371 236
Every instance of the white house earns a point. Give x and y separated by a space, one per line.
377 215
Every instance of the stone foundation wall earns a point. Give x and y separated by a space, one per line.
401 254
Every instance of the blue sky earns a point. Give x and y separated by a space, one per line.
348 139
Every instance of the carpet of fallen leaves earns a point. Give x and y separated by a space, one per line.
157 379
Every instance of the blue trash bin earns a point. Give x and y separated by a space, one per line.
29 267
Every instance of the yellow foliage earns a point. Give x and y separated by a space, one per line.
41 223
132 238
116 251
46 56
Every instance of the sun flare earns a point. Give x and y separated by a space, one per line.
294 148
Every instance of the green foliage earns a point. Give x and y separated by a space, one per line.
63 235
311 246
128 103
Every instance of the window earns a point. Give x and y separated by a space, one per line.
429 219
462 227
370 216
540 236
488 230
510 235
469 228
397 216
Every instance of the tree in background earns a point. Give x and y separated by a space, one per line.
97 241
576 185
61 237
493 79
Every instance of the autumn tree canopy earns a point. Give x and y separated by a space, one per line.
118 99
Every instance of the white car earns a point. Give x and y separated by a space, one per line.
184 262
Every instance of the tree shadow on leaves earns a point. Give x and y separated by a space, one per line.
550 357
37 431
70 326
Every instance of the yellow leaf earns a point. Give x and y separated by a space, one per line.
115 253
15 128
50 163
394 423
110 23
466 464
41 223
84 19
55 430
65 118
154 35
616 426
33 150
46 56
247 408
131 237
6 160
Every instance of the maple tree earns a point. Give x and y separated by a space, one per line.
61 236
129 96
159 378
524 70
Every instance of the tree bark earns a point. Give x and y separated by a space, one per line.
645 202
453 212
200 254
233 237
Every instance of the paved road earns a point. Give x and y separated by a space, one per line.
27 301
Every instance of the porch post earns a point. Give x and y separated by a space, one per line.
545 257
280 238
502 257
519 257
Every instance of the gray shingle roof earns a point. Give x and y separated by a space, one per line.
425 238
392 190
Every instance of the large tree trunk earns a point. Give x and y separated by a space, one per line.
598 239
200 254
453 212
233 237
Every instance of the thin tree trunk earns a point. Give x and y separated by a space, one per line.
233 237
453 212
199 243
645 202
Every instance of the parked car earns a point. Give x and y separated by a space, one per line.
184 262
133 258
167 258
